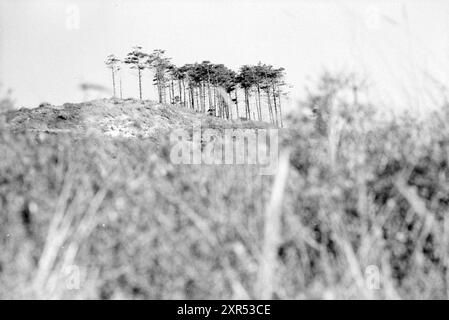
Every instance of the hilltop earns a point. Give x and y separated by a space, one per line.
128 118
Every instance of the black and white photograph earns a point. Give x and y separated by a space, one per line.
199 150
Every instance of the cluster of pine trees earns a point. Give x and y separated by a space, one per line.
207 87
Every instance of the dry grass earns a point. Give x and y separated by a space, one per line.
117 218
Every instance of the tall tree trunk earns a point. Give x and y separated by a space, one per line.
275 105
215 100
159 89
209 95
170 93
237 103
184 90
192 95
280 110
208 89
188 97
217 105
173 91
164 87
203 88
200 97
270 108
220 106
257 107
200 93
164 92
246 103
260 106
223 107
248 109
180 91
229 105
198 105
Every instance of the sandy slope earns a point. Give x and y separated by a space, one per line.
115 118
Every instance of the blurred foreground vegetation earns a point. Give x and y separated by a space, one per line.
364 193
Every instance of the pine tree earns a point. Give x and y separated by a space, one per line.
160 66
113 63
246 79
137 60
208 87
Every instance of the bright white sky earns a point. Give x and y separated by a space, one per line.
400 45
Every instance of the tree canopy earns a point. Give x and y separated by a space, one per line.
209 87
